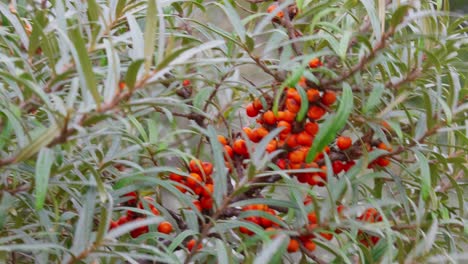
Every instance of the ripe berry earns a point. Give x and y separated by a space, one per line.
191 244
294 94
327 236
228 152
311 128
304 139
251 111
122 85
240 147
222 140
194 166
176 177
310 245
272 8
329 98
315 63
337 166
286 125
383 162
245 230
206 202
269 117
186 82
313 95
257 104
262 132
293 245
292 105
291 141
194 180
296 156
165 227
343 142
272 146
315 112
312 217
207 168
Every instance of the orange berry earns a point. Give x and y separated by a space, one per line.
311 128
262 132
228 152
122 85
197 205
207 168
315 112
252 134
310 245
293 245
291 141
327 236
251 110
269 117
289 116
304 139
329 98
272 146
382 145
272 8
383 162
286 125
257 104
195 166
175 177
292 105
296 156
186 82
181 188
206 202
165 227
208 191
344 143
222 140
194 180
312 217
191 244
294 94
313 95
315 63
240 147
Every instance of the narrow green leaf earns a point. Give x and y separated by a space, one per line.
333 124
277 246
44 162
150 34
38 143
84 65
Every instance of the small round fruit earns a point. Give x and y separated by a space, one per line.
311 128
313 95
165 227
193 180
222 140
329 98
272 8
315 112
293 245
239 147
251 110
310 245
206 202
229 153
315 63
292 105
269 117
304 139
191 244
296 156
344 143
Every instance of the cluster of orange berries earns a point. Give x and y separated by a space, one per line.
381 161
261 221
199 181
163 227
297 136
371 215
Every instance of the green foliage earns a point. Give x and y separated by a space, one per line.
102 98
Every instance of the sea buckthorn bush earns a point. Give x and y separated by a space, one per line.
250 131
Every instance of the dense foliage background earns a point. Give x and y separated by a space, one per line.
106 105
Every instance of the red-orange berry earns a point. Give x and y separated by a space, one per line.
296 156
222 140
329 98
293 245
269 117
313 95
310 245
191 244
272 8
240 147
292 105
206 202
304 139
311 128
165 227
315 63
315 112
344 143
251 110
